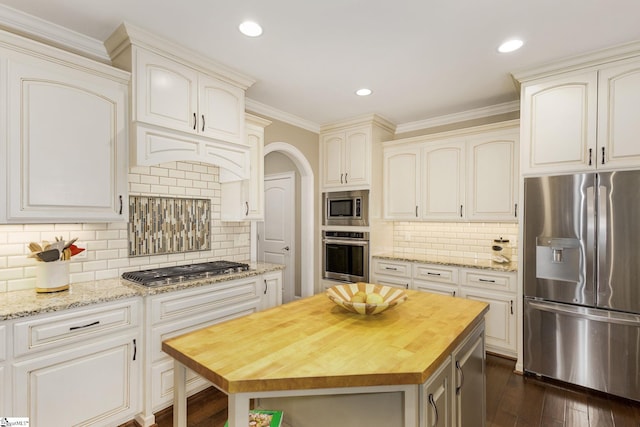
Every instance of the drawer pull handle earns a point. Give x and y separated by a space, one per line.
135 349
391 268
435 409
433 274
487 280
266 288
73 328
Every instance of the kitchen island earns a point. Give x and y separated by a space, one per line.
313 347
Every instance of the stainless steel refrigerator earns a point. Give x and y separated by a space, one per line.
582 280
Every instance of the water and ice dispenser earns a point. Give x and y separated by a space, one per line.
558 258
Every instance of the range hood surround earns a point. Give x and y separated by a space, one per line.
151 144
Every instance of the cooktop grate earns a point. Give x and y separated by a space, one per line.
180 273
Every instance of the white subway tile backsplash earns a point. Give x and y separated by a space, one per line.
470 240
106 244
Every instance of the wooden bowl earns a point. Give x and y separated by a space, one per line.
342 294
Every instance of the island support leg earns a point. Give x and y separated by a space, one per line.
238 409
179 394
411 406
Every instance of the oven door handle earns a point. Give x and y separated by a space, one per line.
346 242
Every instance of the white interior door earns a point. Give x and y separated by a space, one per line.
276 233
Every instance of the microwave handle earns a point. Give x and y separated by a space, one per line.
346 242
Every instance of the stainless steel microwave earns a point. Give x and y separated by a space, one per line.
346 208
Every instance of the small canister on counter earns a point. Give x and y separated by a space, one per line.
501 251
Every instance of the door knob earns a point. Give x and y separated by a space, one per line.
286 248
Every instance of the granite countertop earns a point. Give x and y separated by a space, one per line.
484 264
29 303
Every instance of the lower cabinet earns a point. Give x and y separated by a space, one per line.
469 385
272 290
437 398
391 273
78 367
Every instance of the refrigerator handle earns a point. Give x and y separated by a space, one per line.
587 313
590 238
602 226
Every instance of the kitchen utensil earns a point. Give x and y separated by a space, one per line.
342 294
75 250
34 247
50 255
70 242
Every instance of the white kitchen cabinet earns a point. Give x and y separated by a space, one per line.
401 183
492 176
176 96
66 136
346 158
467 175
244 200
469 386
581 120
498 289
443 178
391 273
438 279
438 397
90 356
272 290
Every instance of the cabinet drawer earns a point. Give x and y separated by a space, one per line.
177 305
396 282
50 331
392 268
434 273
489 280
448 289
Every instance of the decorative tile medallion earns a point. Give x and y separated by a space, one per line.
165 225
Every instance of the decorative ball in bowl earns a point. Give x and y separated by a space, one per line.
366 298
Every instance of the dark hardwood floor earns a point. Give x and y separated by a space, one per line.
512 401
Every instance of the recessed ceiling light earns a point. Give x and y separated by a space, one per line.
510 46
250 29
363 92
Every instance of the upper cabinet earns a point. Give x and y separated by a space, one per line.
183 106
581 120
175 96
64 137
347 153
346 158
244 200
469 175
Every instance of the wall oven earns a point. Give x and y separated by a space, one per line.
346 208
345 256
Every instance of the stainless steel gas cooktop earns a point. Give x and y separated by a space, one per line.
179 273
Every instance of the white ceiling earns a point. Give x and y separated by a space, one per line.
421 58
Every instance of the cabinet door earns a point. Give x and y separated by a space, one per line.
493 177
437 394
94 384
332 160
67 144
443 172
221 110
272 291
357 157
166 92
558 119
401 184
618 124
469 383
500 320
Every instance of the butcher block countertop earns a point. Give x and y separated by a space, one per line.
312 343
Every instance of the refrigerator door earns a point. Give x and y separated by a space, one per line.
619 241
585 346
559 238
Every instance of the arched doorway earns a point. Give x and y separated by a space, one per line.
307 241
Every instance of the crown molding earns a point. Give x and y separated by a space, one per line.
578 62
283 116
361 120
47 32
462 116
